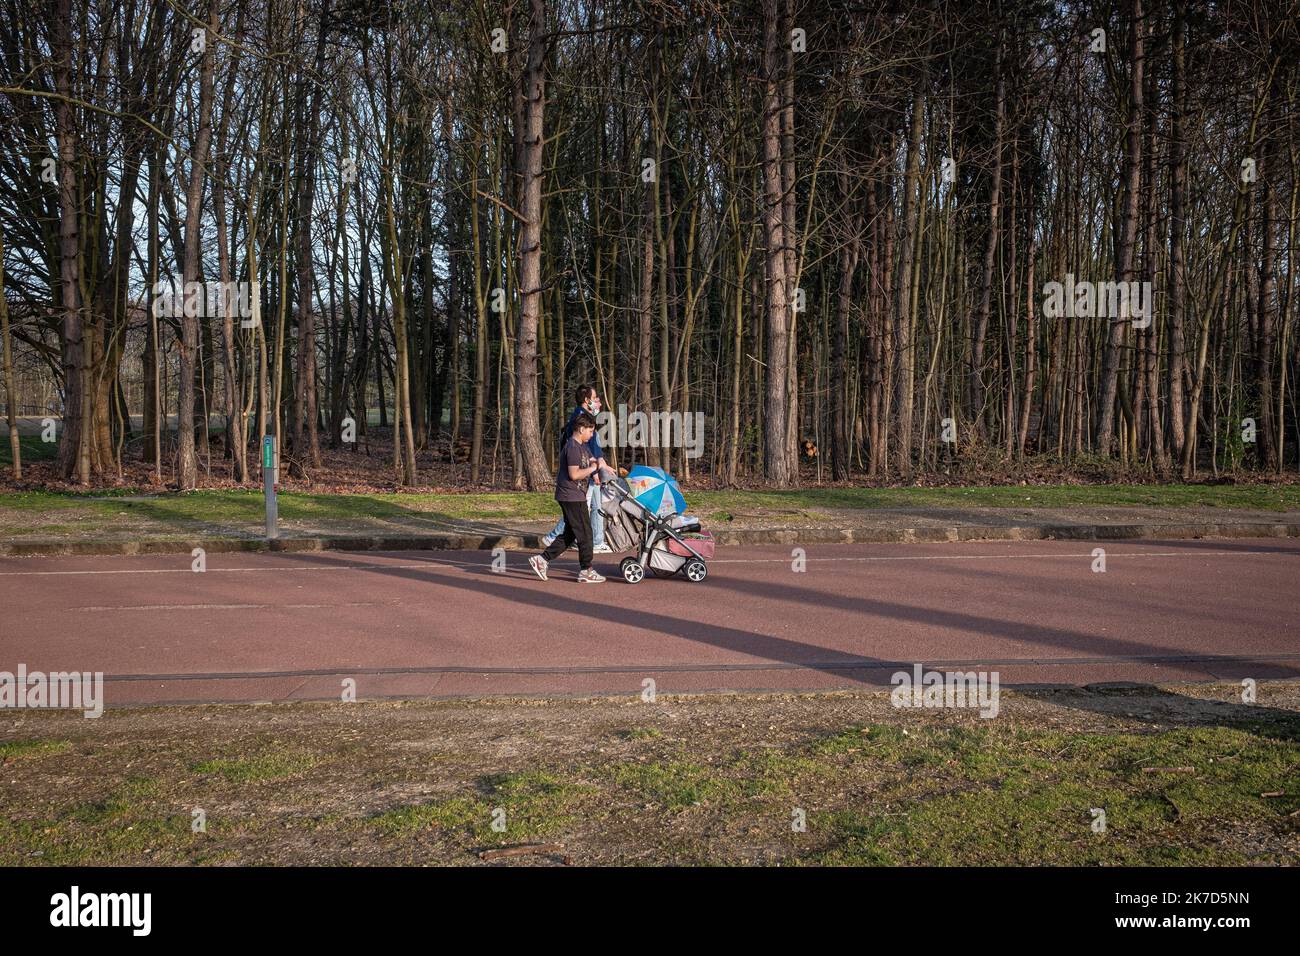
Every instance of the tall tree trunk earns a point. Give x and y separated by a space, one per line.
11 396
187 463
1271 179
776 451
875 356
645 318
403 440
451 320
480 326
789 221
304 393
1177 304
1147 360
153 413
1125 247
904 349
1031 353
530 253
235 442
73 457
979 328
850 252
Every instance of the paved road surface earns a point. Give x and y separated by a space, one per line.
261 627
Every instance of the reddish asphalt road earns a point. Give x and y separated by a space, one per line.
258 627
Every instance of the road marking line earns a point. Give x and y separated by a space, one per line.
341 567
1000 557
225 607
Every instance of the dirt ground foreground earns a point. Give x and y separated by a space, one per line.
1184 774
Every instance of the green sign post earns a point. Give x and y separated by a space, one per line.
270 483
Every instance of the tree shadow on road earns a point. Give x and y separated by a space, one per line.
783 653
1072 640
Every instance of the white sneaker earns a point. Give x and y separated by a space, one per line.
538 564
590 576
602 549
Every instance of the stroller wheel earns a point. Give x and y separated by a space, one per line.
632 570
697 570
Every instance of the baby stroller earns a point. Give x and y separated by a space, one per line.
666 542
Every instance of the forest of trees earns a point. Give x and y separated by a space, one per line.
817 223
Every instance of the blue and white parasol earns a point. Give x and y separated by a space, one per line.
656 490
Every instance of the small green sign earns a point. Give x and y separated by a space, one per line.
268 452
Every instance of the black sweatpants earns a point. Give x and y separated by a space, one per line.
577 527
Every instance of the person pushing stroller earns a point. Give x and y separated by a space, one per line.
586 400
572 480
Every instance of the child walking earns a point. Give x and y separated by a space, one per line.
572 478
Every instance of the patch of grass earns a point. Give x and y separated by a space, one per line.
30 448
257 768
1024 806
34 501
229 506
20 749
453 814
536 803
125 800
530 804
245 507
640 733
882 741
675 785
127 840
771 773
131 824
